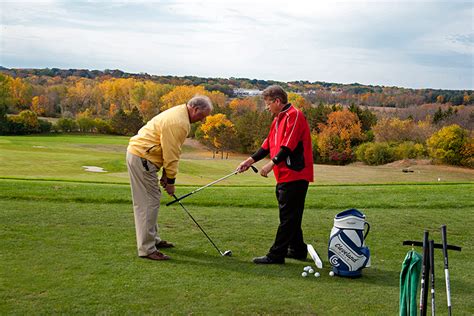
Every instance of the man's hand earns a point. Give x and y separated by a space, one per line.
170 189
267 169
164 181
245 165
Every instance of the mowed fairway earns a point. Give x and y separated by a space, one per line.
69 246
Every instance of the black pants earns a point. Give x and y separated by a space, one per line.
291 197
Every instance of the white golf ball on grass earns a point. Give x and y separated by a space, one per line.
331 273
317 275
304 274
310 271
307 268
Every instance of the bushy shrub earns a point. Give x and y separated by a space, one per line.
375 153
85 124
45 126
102 127
408 150
450 145
24 123
66 125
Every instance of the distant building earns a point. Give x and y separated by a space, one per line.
246 92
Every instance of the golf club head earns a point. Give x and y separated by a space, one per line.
254 169
227 253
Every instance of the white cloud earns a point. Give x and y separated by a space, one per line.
344 41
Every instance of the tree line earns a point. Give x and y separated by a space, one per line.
315 92
341 133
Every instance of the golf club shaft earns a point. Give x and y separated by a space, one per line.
424 275
207 185
432 275
195 222
446 267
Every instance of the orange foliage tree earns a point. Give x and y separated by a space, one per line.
243 105
338 135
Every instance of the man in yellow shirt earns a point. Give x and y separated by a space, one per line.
158 145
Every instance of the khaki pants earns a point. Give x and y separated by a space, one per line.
146 195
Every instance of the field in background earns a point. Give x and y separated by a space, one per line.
69 247
62 157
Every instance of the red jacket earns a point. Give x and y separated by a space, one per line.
290 129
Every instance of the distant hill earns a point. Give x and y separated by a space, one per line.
315 92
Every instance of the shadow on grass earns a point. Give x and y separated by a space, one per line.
190 258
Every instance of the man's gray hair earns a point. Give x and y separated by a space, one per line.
201 102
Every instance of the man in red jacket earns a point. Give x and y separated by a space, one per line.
289 146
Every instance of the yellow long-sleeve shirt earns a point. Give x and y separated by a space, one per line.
160 140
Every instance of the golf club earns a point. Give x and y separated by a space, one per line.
432 275
446 270
425 277
227 253
207 185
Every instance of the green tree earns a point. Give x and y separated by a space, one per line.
126 122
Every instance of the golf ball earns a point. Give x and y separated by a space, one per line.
304 274
331 273
307 268
317 274
310 271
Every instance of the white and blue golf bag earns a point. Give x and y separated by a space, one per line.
347 252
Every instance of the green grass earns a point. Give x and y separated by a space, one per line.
59 157
68 247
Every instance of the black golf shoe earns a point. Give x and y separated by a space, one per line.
268 260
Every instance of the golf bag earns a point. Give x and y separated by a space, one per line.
347 252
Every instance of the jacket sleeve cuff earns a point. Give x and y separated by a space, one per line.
282 155
260 154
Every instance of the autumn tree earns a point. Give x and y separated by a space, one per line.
397 130
20 93
41 105
180 95
317 115
218 132
447 145
240 106
338 135
5 101
298 101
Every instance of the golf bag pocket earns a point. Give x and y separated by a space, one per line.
347 252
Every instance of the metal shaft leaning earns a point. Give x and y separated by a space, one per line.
446 268
195 222
432 276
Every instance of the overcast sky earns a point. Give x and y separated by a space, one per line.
413 44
